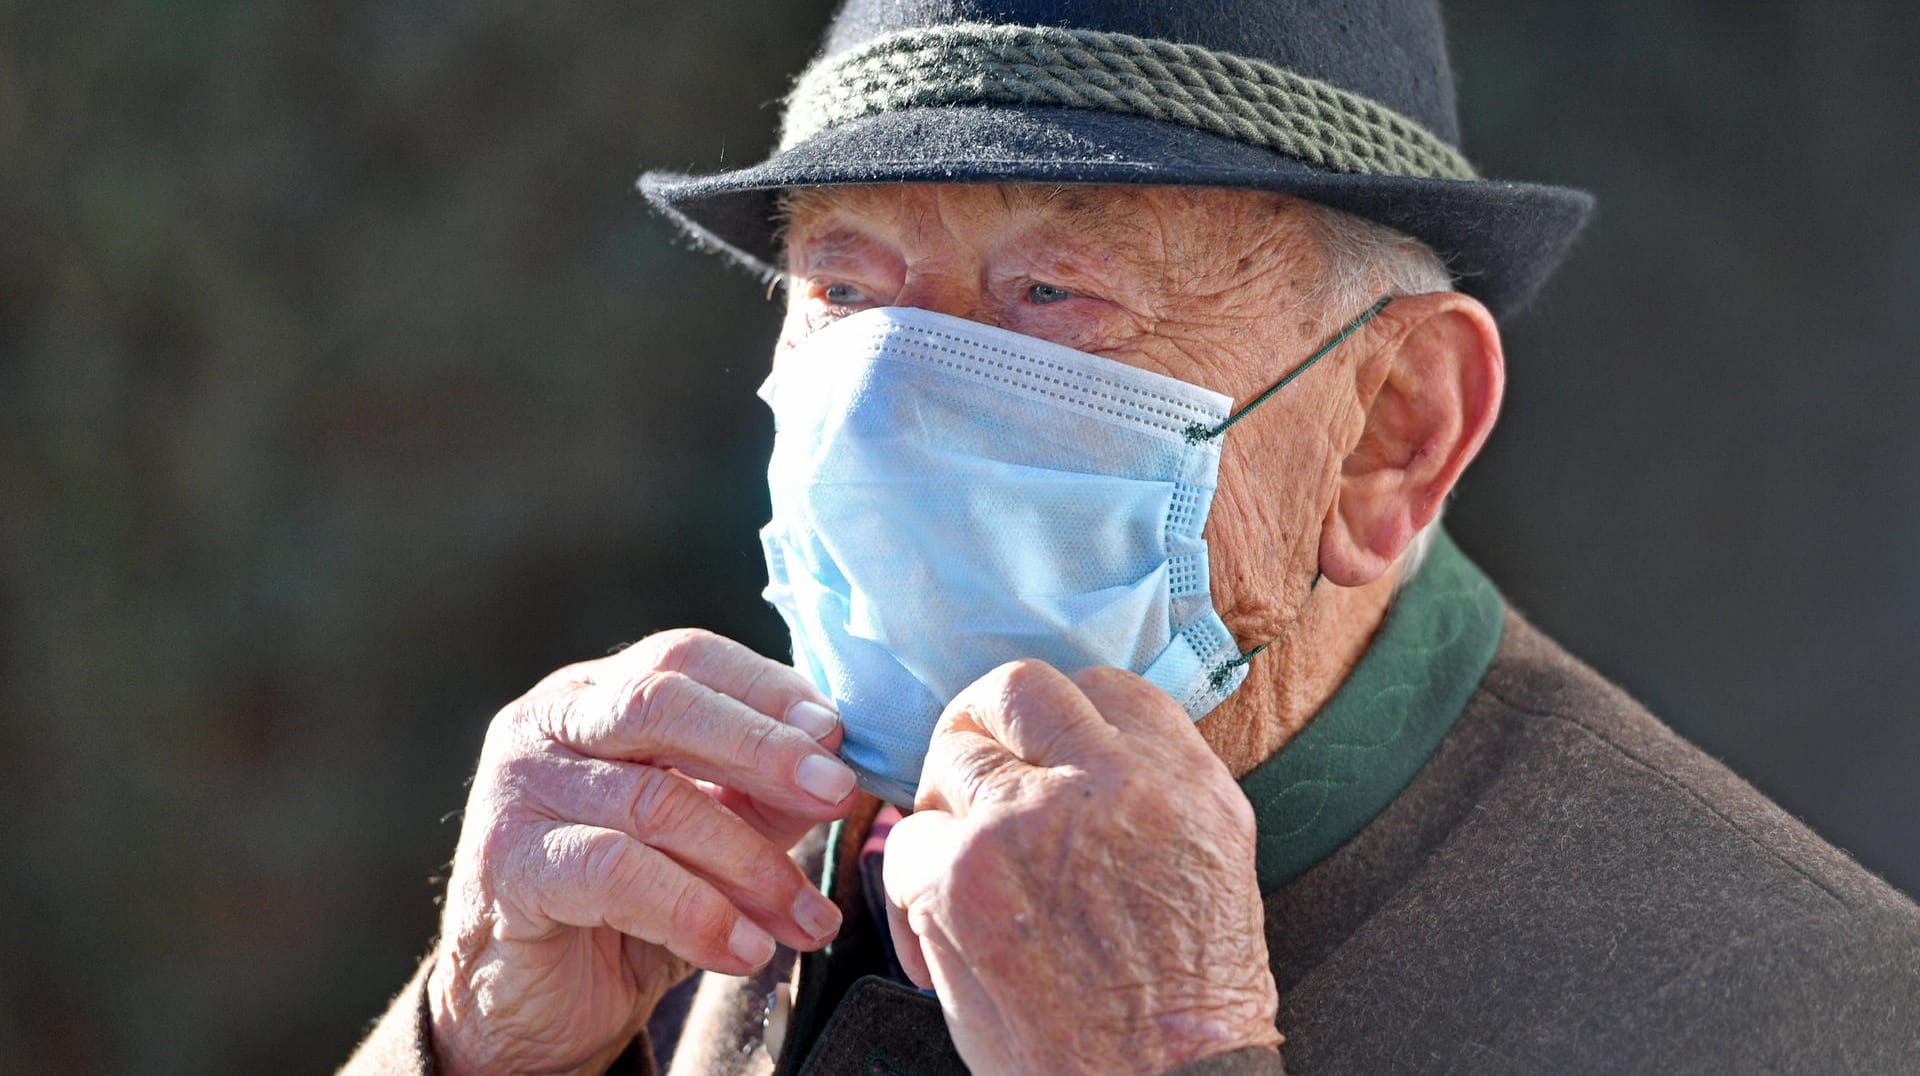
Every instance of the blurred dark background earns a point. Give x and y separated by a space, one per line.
346 389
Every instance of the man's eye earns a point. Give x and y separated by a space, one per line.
843 294
1047 293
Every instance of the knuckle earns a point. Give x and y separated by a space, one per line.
975 772
662 804
606 856
700 916
506 781
533 718
759 742
1113 688
1028 684
760 679
659 698
1026 674
674 648
771 874
1107 678
512 725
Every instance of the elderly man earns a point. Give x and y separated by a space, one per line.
1122 382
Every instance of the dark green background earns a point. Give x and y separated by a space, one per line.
346 389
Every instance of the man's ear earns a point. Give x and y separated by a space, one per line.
1430 396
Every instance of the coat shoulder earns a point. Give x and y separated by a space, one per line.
1596 749
1570 886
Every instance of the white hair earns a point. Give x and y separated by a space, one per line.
1365 261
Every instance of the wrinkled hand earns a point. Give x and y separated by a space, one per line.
1077 880
629 821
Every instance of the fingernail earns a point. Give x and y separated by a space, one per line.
750 943
812 718
816 915
824 778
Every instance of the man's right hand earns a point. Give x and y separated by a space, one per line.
629 822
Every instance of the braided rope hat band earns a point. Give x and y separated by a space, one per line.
1234 97
1348 104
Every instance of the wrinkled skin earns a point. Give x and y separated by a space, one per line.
629 821
1078 878
1218 288
1078 882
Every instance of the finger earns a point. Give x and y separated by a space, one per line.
1022 714
733 669
919 854
906 948
667 718
1033 710
1131 704
586 876
781 828
965 768
666 812
818 722
770 687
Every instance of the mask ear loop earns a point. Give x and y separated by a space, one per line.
1217 680
1197 433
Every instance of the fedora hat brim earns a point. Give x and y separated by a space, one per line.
1500 239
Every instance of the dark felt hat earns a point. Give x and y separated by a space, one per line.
1348 103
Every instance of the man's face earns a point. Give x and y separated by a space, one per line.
1207 286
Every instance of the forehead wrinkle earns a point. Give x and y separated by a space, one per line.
1193 242
826 224
1085 208
1198 243
811 205
837 243
1098 211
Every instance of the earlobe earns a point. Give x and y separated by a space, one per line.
1430 397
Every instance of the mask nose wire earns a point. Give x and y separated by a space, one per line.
1197 433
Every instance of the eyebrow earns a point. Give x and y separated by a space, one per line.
1084 219
1077 207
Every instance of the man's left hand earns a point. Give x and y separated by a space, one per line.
1077 880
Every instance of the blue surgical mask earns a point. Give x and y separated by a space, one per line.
949 496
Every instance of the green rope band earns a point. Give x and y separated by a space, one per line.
1231 96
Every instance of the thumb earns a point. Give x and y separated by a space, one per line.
919 856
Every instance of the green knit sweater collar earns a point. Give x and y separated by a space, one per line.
1384 722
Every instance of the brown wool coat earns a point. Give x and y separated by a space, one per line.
1565 887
